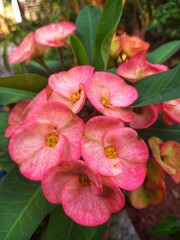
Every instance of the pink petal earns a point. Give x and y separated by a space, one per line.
24 51
16 117
144 117
53 34
132 175
127 143
82 206
28 149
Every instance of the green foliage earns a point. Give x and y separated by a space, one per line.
86 28
158 88
170 225
106 28
161 130
61 227
78 50
166 20
164 52
28 82
13 95
22 206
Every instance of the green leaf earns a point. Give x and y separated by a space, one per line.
28 81
161 130
106 28
86 28
62 227
169 226
22 206
5 161
3 125
78 50
164 52
158 88
11 95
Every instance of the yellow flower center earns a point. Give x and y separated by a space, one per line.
76 95
110 152
52 139
84 180
140 73
105 101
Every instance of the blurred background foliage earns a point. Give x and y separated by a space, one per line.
156 21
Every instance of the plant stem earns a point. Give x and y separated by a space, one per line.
42 63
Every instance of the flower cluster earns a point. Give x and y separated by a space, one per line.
78 137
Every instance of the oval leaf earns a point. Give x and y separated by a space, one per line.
86 28
78 50
106 28
61 227
158 88
164 52
22 206
28 81
10 95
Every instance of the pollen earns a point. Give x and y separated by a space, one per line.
110 152
84 180
52 139
76 95
105 101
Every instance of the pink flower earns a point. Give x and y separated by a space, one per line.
20 111
144 117
171 111
153 188
137 67
132 45
54 34
167 155
69 86
86 198
27 50
114 150
110 95
49 135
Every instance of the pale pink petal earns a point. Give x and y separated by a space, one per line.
16 117
66 84
144 117
132 175
28 149
53 182
109 94
82 206
24 51
97 126
127 143
54 34
56 113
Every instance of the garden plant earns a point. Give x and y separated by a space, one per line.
103 126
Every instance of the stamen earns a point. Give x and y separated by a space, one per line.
110 152
76 95
52 139
84 180
105 101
